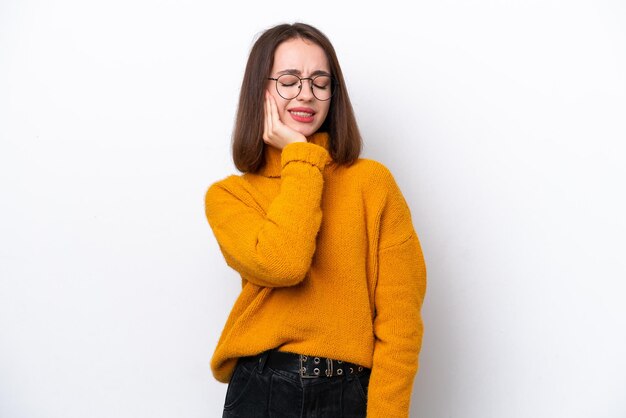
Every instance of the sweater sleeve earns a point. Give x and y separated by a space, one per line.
273 249
399 294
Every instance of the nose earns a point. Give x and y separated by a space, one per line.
306 91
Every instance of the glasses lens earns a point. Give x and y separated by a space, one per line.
288 86
322 87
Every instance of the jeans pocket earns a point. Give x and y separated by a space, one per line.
285 399
238 385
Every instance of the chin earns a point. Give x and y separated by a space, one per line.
304 130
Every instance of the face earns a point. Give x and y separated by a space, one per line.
305 113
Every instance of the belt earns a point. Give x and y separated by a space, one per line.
307 366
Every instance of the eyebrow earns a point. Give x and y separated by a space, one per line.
298 72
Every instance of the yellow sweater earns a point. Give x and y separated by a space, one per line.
330 263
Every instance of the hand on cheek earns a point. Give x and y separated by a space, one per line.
275 132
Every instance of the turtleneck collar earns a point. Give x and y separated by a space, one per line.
272 156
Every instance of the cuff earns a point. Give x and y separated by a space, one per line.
306 152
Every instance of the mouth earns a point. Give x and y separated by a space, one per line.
302 114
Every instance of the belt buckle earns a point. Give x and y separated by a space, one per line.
303 369
329 367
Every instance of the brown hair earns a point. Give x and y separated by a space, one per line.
247 142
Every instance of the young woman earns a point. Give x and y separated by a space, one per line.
328 321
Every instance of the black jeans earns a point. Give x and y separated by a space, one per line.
258 391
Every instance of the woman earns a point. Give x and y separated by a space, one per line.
328 321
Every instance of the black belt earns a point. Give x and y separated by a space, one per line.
306 366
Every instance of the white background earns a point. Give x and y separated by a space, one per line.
504 122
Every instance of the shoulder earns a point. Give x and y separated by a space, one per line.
229 193
373 173
372 166
227 182
233 185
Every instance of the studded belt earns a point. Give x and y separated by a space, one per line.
309 366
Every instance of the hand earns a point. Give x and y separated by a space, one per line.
275 132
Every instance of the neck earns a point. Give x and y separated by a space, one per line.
272 155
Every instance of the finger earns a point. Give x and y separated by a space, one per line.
274 111
265 117
268 118
266 121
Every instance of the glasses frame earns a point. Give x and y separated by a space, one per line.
333 84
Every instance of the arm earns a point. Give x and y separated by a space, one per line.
274 249
398 325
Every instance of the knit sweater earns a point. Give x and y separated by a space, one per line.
330 264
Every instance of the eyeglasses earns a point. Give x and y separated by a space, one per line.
289 86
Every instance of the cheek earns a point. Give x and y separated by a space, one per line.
325 109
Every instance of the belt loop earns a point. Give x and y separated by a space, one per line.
262 361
